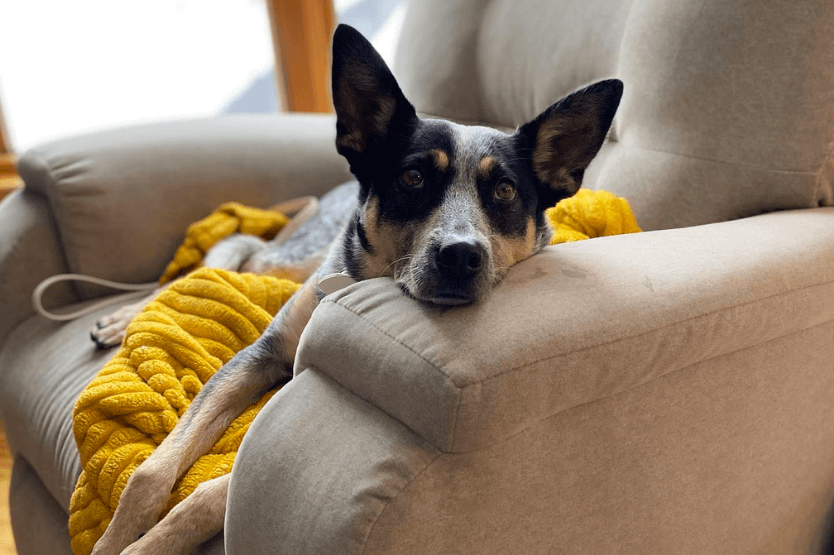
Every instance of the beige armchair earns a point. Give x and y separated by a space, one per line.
663 392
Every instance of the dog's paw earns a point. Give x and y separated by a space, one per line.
109 331
150 544
109 546
144 497
161 541
106 337
233 251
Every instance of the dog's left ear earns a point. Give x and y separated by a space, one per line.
563 140
370 107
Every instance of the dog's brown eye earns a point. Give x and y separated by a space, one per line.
505 191
412 178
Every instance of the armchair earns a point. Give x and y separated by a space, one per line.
663 392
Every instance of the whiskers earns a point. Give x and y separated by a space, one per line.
397 261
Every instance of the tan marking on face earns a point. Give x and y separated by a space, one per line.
511 250
383 239
441 159
485 166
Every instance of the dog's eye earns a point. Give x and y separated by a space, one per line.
412 178
505 191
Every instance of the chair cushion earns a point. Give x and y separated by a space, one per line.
727 110
122 198
44 366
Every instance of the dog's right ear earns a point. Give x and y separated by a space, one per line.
369 103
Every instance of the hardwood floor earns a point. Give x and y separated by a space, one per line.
6 540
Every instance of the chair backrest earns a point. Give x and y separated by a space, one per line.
728 108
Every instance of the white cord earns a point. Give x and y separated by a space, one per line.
299 209
137 290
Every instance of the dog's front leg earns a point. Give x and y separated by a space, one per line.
198 518
235 386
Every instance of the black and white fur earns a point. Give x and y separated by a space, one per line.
443 209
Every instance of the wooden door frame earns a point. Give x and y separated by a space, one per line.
9 180
301 35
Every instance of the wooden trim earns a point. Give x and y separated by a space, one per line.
5 142
9 180
9 184
301 34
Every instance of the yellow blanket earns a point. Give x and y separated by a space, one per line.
590 214
229 218
194 327
170 350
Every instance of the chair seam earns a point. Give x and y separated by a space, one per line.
717 161
635 386
441 453
818 197
55 207
458 390
394 498
651 331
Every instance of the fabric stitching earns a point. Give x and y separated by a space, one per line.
55 208
705 159
438 455
654 330
458 390
592 401
394 498
818 196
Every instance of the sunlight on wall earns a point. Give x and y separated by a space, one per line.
71 67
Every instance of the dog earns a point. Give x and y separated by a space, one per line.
443 209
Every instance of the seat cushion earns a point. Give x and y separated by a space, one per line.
44 367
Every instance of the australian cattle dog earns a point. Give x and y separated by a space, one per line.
443 209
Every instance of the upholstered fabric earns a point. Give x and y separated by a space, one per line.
29 253
578 322
664 392
40 523
130 193
45 366
43 369
728 109
661 392
310 421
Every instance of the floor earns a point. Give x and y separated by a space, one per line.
6 540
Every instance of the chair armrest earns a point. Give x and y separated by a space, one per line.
29 253
347 460
413 430
574 324
122 199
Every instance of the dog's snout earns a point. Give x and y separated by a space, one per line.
463 258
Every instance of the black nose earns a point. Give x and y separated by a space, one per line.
464 259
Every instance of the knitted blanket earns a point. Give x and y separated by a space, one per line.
590 214
230 218
188 332
170 350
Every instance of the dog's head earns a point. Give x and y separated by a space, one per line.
446 209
